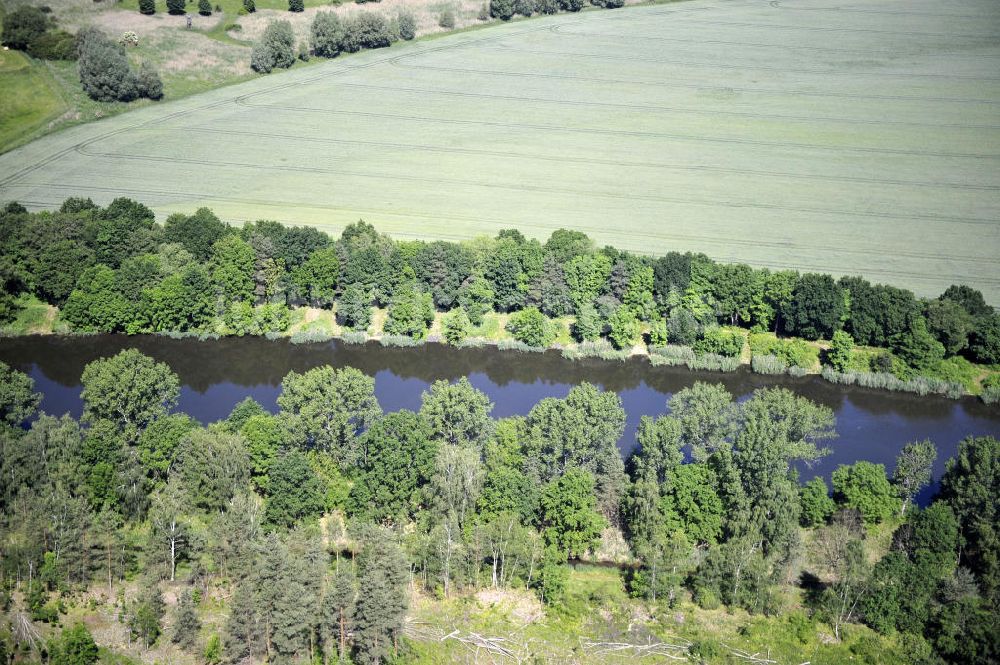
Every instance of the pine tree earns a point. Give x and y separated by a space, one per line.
338 608
147 6
242 634
187 625
378 614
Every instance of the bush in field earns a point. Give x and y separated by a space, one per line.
249 6
503 9
447 19
204 7
571 5
24 25
148 83
991 389
147 7
407 25
106 74
547 6
484 12
176 7
327 34
276 48
54 45
296 5
365 30
524 7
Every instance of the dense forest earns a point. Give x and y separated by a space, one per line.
313 528
115 269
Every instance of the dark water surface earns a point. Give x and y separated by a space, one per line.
215 375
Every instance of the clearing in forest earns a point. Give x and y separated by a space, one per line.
858 138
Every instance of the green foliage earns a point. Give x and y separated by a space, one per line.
276 48
476 298
502 9
864 486
187 625
328 409
147 7
917 347
817 505
382 598
398 461
145 616
722 342
197 232
457 413
970 484
407 25
588 325
817 307
129 391
295 492
625 328
355 308
24 25
365 30
913 469
75 646
106 74
410 312
204 7
841 351
296 5
456 326
327 34
176 7
691 504
18 402
531 327
569 519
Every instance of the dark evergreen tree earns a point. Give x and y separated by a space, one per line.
381 601
187 625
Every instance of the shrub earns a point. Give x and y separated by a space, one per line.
148 83
54 45
456 326
841 351
817 506
864 486
721 342
571 5
327 34
147 7
588 326
682 327
991 389
447 19
600 349
365 30
276 48
204 7
625 328
104 69
296 5
407 25
502 9
250 6
658 333
176 7
484 12
24 25
303 52
530 327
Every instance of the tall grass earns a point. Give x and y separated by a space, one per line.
921 385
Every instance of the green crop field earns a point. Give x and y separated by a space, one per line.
858 138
